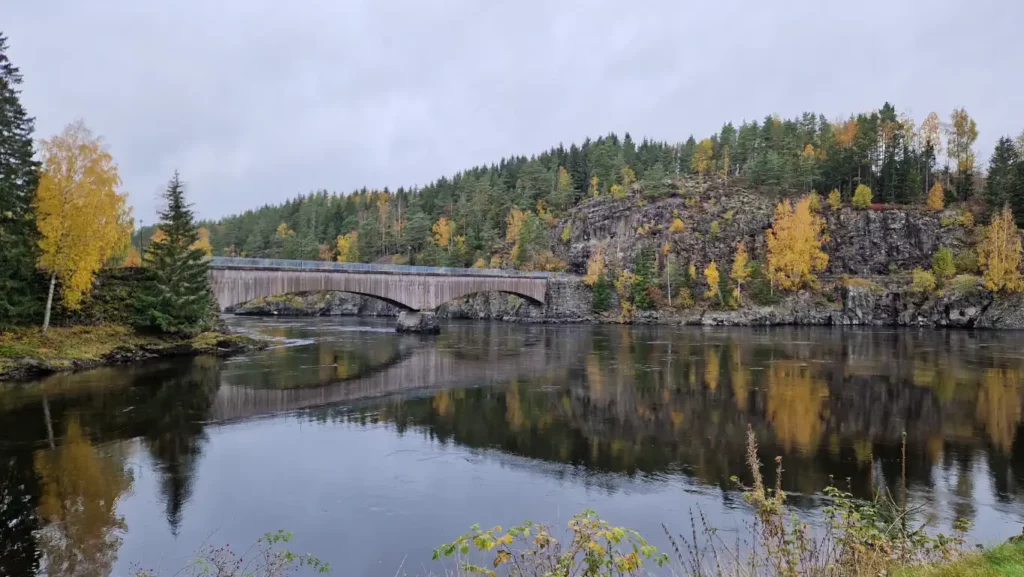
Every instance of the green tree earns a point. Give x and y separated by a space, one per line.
646 277
942 264
20 297
175 297
1004 184
862 197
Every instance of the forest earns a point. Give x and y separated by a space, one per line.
507 214
64 216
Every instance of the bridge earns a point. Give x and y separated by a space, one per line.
411 288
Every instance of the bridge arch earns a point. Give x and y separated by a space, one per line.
234 283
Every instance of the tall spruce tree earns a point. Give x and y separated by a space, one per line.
20 294
176 296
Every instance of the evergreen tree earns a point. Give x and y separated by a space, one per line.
176 296
1003 185
20 294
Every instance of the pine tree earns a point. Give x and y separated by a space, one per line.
20 297
1002 185
176 296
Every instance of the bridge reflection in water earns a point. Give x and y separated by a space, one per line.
419 367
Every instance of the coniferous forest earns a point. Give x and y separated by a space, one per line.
499 215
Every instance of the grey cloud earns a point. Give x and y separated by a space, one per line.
256 101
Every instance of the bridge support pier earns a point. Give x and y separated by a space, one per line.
423 322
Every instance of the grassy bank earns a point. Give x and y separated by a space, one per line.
27 352
1006 559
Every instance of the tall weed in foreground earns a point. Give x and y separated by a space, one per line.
876 537
264 558
857 538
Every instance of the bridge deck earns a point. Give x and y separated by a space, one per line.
224 262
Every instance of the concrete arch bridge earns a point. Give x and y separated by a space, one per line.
417 290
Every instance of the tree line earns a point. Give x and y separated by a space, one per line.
476 216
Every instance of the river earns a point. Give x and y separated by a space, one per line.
374 447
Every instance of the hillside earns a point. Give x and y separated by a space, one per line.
464 219
654 225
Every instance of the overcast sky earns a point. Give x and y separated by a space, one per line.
256 101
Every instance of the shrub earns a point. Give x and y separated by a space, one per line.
966 262
715 229
815 200
942 263
835 200
596 549
967 219
965 284
924 281
567 232
677 226
602 294
936 197
862 196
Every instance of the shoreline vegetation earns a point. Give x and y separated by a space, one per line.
29 353
883 536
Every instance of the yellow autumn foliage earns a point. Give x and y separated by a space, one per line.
999 254
936 197
712 277
442 232
348 247
82 219
862 196
701 159
794 245
835 200
203 242
515 221
595 267
132 259
677 226
740 269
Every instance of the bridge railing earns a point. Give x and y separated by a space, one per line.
318 265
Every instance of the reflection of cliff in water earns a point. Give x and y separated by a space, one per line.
833 403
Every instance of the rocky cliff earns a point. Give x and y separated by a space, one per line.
721 213
865 283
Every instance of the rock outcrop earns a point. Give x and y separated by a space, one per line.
876 247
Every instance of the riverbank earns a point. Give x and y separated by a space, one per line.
1005 559
854 301
28 353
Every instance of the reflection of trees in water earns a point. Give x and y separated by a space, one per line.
19 493
999 405
174 431
80 490
165 403
796 405
835 404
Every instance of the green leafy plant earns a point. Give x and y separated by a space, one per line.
596 549
923 281
265 558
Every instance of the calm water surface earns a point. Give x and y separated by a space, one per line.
373 448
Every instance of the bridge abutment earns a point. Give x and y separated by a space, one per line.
423 322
